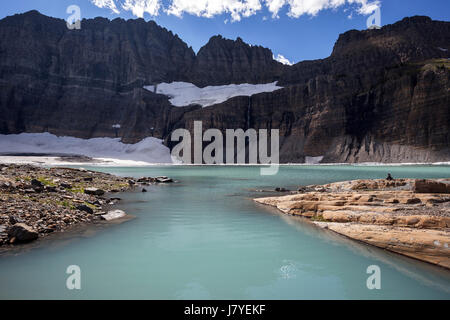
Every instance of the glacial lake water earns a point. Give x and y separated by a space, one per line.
204 238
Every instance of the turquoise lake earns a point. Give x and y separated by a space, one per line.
204 238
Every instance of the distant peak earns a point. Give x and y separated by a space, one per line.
32 12
416 19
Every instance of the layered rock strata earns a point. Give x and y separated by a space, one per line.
401 215
382 95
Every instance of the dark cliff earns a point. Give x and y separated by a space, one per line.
383 95
223 61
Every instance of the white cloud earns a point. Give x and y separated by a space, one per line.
275 6
368 7
235 8
139 7
211 8
282 59
110 4
298 8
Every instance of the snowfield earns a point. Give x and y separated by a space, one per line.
313 160
184 94
149 150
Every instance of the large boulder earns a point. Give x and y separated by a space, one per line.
94 191
85 208
163 179
113 215
36 183
430 186
22 233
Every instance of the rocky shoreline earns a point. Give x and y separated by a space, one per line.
37 201
407 216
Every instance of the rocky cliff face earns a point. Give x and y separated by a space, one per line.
383 95
81 82
223 61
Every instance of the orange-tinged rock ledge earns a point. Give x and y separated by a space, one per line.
405 216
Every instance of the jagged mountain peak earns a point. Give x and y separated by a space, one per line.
219 40
222 61
410 38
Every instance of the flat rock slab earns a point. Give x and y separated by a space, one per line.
431 186
407 216
432 246
114 215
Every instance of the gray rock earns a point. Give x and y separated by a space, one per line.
113 215
36 183
13 220
50 189
22 232
163 180
94 191
85 208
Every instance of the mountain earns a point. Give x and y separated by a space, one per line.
382 95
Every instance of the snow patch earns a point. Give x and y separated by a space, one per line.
149 150
282 59
184 94
313 160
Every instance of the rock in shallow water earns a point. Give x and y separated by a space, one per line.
113 215
22 232
163 180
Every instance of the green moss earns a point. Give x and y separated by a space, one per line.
46 182
64 203
76 189
90 206
120 185
444 63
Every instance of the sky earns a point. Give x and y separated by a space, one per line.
295 30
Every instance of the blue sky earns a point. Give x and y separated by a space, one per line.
297 29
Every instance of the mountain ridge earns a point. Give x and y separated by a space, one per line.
382 95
